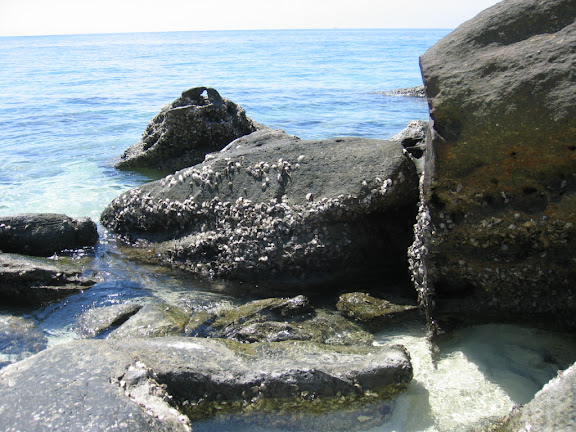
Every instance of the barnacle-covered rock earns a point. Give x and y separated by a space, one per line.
497 225
198 122
273 207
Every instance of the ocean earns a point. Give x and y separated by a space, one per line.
70 105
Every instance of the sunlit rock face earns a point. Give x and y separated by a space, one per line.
198 122
273 207
498 220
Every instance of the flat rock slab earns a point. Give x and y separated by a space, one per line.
135 384
28 280
44 234
271 206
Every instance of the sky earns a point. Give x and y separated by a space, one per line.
52 17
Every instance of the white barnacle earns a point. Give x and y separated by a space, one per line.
309 196
301 158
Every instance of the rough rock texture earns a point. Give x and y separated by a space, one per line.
364 307
198 122
275 320
76 387
139 384
44 234
413 139
497 225
272 207
27 280
551 410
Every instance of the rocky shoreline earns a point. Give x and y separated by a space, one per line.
471 206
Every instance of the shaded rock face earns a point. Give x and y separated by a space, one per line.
497 224
29 281
198 122
44 234
273 207
148 384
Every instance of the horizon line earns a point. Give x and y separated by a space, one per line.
225 30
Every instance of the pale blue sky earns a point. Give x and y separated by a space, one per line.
41 17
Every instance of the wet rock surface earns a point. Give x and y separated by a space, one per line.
27 280
146 384
364 307
99 320
198 122
275 320
497 226
270 206
153 320
44 234
418 91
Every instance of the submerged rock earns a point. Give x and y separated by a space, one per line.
146 384
270 206
364 307
27 280
44 234
275 320
19 338
197 123
99 320
418 91
497 226
153 320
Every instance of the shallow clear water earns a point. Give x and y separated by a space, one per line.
69 105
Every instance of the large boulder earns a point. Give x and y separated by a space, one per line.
44 234
147 384
497 224
198 122
31 281
272 207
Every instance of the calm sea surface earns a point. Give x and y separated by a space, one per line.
70 105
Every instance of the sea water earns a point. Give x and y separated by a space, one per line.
70 105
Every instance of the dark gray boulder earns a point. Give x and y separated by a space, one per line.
146 384
198 122
44 234
29 281
270 206
551 410
497 226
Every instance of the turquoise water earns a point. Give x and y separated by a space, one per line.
69 105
